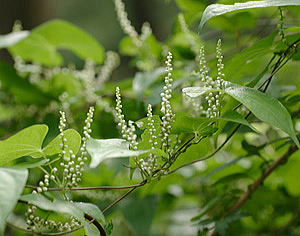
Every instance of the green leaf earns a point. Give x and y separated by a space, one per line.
11 39
57 205
31 163
91 210
263 106
11 186
76 209
293 29
235 117
91 230
219 9
20 88
25 143
185 123
43 42
102 149
73 142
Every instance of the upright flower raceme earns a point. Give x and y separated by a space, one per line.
127 130
148 164
166 108
73 164
212 98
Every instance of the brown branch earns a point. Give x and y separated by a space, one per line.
257 183
87 188
254 186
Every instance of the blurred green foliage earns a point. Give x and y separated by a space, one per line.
259 46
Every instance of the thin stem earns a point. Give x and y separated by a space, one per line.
122 197
88 188
258 182
254 186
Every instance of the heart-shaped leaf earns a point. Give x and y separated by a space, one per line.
25 143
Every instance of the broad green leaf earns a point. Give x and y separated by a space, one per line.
293 29
25 143
43 42
20 88
28 164
73 142
236 117
219 9
102 149
91 210
91 229
184 123
11 186
57 205
76 209
11 39
263 106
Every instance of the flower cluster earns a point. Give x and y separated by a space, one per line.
159 136
82 158
33 70
146 31
166 108
72 170
148 164
127 130
213 98
125 22
127 26
187 33
112 62
38 224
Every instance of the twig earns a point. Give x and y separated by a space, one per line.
122 197
257 183
253 187
88 188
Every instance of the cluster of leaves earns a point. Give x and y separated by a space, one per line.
213 172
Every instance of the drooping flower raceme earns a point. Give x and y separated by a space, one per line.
125 22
